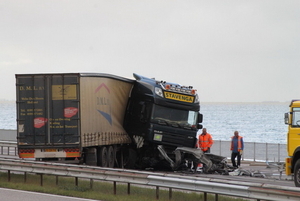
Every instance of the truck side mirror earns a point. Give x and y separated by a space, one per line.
200 118
286 118
199 126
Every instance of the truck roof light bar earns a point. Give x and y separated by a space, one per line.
183 89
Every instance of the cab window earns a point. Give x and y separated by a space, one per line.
296 117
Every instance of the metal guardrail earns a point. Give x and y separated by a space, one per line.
7 147
271 152
259 191
253 151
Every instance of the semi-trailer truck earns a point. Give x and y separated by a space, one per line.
292 119
105 120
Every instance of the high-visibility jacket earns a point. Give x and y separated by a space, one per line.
205 141
240 143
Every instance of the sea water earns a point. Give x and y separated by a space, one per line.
256 122
8 115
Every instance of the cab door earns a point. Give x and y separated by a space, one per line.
294 131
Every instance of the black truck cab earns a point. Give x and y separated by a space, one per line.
162 113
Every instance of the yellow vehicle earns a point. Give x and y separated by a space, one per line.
293 141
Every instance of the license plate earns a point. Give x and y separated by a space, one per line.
179 97
50 150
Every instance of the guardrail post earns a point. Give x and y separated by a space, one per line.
157 192
25 177
56 180
254 152
76 181
1 150
243 156
278 152
8 175
91 183
216 197
7 150
41 182
170 193
128 188
267 152
115 187
205 196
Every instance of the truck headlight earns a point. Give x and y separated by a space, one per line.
196 99
159 92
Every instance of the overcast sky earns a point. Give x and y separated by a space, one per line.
230 51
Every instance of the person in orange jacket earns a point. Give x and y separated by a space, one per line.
205 141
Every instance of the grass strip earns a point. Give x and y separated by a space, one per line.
100 191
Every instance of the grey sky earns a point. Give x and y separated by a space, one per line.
228 50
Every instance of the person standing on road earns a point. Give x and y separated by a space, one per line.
237 147
205 141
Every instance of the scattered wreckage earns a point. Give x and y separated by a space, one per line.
211 163
188 158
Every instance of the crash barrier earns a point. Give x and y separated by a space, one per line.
249 190
253 151
8 148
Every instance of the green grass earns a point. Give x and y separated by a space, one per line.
100 191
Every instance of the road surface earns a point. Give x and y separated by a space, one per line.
18 195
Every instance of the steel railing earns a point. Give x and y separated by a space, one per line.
8 148
254 151
259 191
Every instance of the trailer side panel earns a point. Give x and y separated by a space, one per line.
103 105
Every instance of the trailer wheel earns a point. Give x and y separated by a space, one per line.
111 157
297 173
102 157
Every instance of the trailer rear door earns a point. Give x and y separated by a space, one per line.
48 110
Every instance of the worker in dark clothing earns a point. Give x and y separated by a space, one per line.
237 147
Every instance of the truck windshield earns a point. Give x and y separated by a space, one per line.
174 117
296 117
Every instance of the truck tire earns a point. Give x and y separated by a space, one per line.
297 173
102 157
111 156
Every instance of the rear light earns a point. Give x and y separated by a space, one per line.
71 150
26 151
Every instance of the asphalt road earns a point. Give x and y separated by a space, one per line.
260 173
17 195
